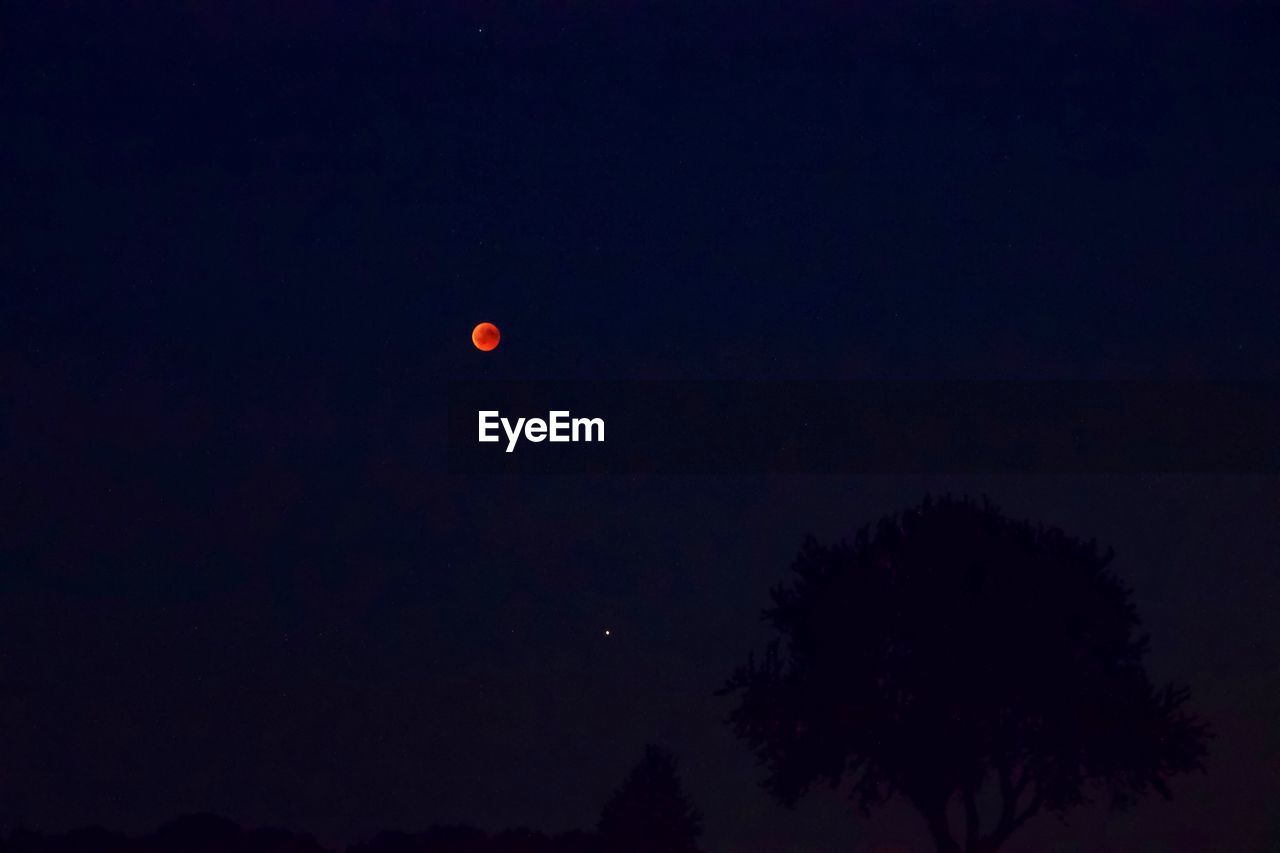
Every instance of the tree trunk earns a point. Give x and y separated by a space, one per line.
940 829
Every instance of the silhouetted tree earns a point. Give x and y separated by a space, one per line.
984 669
577 841
188 834
87 840
466 839
521 840
436 839
650 812
213 834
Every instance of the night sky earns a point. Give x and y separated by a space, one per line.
242 253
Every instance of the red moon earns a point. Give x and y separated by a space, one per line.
485 336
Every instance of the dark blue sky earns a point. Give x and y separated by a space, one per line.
244 253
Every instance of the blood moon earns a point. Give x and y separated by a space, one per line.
485 336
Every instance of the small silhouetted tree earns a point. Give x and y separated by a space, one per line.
650 812
984 669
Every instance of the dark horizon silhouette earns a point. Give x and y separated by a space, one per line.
648 812
978 666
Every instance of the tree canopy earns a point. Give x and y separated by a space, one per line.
983 668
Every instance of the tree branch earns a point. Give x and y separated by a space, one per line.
972 825
1010 817
1018 790
940 829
